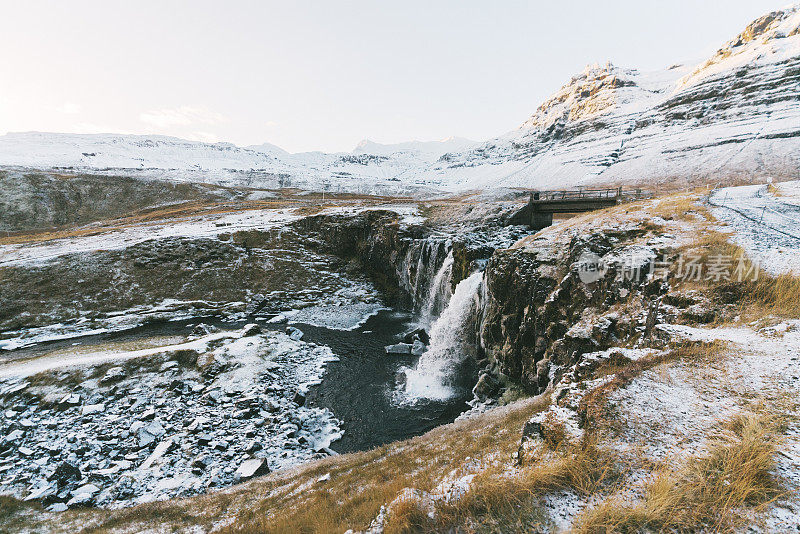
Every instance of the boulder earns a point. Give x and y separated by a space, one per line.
114 374
251 329
42 493
90 409
417 348
399 348
83 495
299 397
294 333
69 400
27 423
197 425
167 366
253 446
65 472
251 468
486 387
203 329
149 433
201 462
160 450
418 334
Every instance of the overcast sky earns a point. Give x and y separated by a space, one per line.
324 75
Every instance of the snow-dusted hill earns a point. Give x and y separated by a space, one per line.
736 114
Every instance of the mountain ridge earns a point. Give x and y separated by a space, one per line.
734 114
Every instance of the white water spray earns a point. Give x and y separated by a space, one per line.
432 377
438 293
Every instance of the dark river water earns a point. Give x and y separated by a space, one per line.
358 388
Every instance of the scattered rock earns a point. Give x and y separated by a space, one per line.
399 348
252 468
294 333
251 329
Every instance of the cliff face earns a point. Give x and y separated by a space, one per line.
542 313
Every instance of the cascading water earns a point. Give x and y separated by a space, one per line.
434 374
438 293
422 262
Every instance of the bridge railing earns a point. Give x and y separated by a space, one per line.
589 194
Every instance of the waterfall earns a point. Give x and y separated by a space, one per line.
432 377
438 293
417 270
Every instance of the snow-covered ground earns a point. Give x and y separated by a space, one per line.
672 411
171 420
767 226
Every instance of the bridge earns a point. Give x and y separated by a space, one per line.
538 213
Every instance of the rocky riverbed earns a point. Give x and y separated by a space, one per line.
219 409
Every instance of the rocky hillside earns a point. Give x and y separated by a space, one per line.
43 201
728 117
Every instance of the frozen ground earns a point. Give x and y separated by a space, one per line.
207 225
766 225
115 428
674 409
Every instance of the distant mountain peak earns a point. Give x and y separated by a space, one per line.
760 41
587 94
431 148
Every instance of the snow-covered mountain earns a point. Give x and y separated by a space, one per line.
424 149
735 114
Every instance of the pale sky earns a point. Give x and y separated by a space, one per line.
324 75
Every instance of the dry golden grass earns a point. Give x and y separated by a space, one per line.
365 481
679 207
711 492
503 501
755 293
